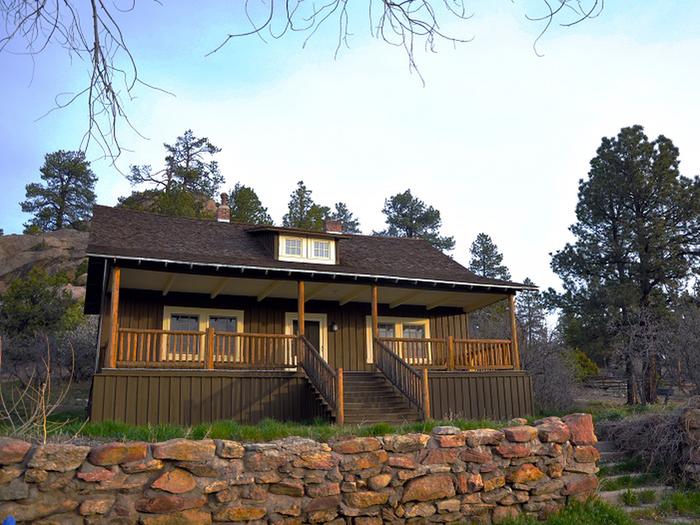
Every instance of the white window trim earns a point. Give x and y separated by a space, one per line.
290 256
398 323
203 314
290 317
307 254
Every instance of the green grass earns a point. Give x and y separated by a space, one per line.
608 412
592 512
629 498
626 482
266 430
682 503
624 467
647 497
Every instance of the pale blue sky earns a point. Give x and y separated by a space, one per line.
497 139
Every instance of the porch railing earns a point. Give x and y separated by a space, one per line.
139 348
453 354
411 383
320 373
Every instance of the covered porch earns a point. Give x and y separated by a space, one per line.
426 329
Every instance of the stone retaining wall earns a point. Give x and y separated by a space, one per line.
474 476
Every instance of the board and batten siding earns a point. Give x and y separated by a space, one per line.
141 397
480 395
347 347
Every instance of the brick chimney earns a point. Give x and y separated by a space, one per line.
332 226
223 212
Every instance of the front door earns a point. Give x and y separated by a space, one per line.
312 331
315 330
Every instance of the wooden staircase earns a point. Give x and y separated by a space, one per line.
370 398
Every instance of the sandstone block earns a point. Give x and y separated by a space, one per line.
148 465
10 472
439 456
468 482
520 434
403 461
451 440
164 503
14 490
430 487
575 484
90 473
446 431
289 487
363 460
13 450
116 453
422 510
240 513
525 473
512 450
185 450
356 445
186 517
176 481
503 514
379 481
553 430
586 454
476 455
365 498
60 458
483 436
230 449
98 505
405 442
581 427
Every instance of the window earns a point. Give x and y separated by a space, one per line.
294 247
307 249
195 321
402 328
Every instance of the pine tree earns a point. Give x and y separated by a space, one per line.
246 206
408 216
66 197
531 309
636 239
189 178
303 212
486 260
346 218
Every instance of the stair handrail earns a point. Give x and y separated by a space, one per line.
407 380
321 374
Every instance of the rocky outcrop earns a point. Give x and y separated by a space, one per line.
57 252
477 476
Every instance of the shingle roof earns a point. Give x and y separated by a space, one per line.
119 232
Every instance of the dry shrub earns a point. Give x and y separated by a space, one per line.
550 366
657 439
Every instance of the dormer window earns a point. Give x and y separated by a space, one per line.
307 249
322 249
294 247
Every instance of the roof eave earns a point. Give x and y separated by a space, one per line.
491 287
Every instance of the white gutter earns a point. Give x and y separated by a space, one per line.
314 272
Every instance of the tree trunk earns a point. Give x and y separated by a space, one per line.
632 397
650 381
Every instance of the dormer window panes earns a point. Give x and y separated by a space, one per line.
306 249
322 249
294 247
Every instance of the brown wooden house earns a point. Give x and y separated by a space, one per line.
204 320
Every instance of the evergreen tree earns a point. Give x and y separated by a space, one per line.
66 197
486 260
189 178
246 206
303 212
408 216
346 218
636 234
531 309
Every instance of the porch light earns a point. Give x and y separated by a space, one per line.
333 326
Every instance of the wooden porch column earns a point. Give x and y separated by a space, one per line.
375 312
300 306
514 334
340 401
450 352
114 319
426 395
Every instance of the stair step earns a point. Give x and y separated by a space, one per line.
613 496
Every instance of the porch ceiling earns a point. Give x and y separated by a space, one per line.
168 282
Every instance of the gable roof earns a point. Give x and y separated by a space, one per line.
129 234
